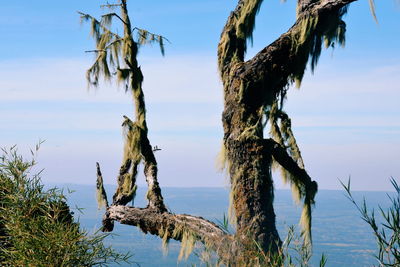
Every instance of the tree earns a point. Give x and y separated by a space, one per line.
254 94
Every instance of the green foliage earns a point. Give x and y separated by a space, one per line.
36 225
114 53
387 233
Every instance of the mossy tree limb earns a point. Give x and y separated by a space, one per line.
288 55
167 226
298 178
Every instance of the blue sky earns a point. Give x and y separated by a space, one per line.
346 116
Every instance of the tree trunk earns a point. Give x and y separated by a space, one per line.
249 166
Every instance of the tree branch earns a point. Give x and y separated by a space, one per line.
150 170
172 226
110 5
278 57
94 51
301 182
286 161
101 192
126 189
238 28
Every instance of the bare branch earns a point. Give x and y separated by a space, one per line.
94 51
110 5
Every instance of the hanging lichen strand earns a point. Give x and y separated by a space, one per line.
116 56
313 32
241 23
306 38
281 132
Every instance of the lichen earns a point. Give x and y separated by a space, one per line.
281 132
221 160
239 29
311 33
117 55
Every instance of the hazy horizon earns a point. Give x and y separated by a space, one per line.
227 188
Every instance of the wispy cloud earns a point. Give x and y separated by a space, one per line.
342 123
187 79
47 99
181 92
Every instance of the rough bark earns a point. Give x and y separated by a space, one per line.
252 196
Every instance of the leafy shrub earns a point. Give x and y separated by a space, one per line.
37 226
387 232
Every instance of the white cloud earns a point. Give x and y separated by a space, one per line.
338 89
178 79
50 94
47 99
343 119
182 79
